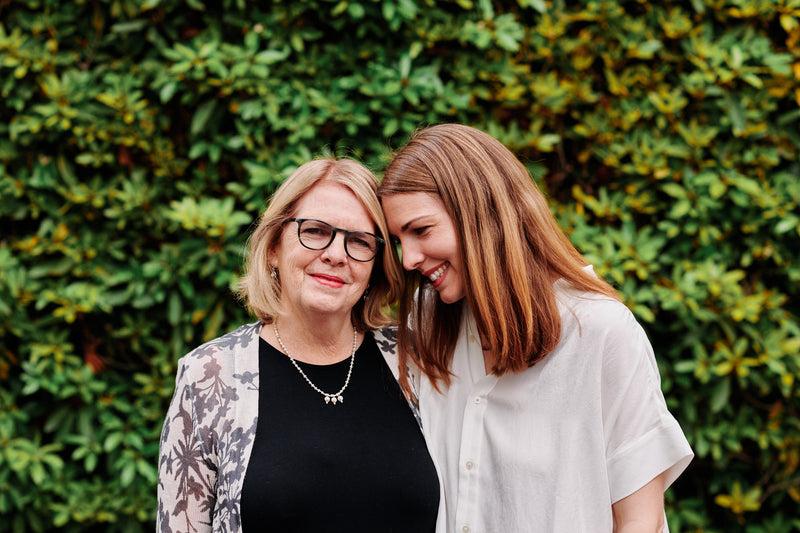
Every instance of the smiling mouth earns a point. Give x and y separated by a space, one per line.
330 281
437 274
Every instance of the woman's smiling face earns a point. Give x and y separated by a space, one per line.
428 239
328 281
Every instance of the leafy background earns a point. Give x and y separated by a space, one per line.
140 139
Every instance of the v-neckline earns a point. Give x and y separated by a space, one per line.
475 358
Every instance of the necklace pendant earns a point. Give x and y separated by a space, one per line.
329 398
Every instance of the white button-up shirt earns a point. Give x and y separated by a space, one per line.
551 448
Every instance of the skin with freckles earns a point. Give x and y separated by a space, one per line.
429 241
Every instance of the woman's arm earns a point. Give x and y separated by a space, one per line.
645 447
186 479
642 511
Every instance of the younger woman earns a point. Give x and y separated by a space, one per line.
540 398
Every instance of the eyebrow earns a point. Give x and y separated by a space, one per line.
407 224
370 231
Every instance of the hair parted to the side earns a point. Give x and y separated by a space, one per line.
261 291
512 252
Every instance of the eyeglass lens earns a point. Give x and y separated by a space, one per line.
317 235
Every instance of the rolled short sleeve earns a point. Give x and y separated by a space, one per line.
642 438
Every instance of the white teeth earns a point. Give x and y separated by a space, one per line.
438 273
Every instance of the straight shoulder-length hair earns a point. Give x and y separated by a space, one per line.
261 290
512 252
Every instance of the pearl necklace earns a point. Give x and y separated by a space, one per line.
334 398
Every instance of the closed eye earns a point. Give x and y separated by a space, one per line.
420 231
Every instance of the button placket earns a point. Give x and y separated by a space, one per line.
471 436
472 440
467 508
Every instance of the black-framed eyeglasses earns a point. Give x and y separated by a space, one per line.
317 235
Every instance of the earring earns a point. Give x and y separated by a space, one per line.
366 294
274 273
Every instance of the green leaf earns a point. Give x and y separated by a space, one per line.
538 5
175 309
127 475
735 113
720 395
112 441
356 10
202 116
680 209
787 224
214 323
674 190
167 91
129 26
269 57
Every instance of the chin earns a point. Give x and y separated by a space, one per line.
324 306
447 298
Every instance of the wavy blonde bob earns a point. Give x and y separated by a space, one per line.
512 250
262 293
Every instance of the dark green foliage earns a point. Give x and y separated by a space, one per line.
139 140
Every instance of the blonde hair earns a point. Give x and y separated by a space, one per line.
512 251
262 292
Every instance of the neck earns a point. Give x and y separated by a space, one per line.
313 340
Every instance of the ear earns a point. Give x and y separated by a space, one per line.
273 255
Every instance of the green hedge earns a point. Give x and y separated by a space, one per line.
139 139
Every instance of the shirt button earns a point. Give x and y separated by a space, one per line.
470 465
465 529
477 400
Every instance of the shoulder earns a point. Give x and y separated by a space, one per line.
596 316
211 357
597 324
386 339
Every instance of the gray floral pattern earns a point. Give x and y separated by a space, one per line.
209 429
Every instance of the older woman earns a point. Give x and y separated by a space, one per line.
297 422
541 400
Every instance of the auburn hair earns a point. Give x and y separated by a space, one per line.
261 291
512 252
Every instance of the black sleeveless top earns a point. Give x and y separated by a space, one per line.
357 466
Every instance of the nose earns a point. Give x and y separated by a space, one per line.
335 252
412 256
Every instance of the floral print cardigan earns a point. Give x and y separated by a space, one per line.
209 430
